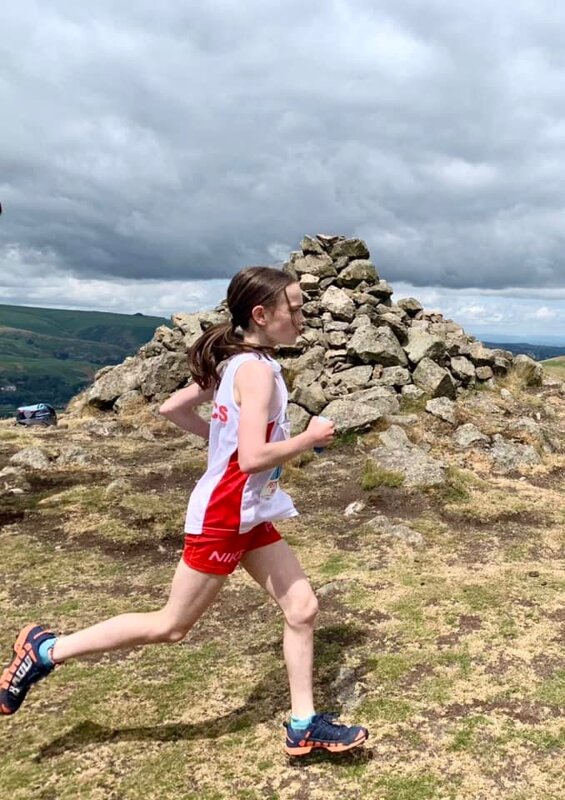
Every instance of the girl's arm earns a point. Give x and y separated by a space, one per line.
179 408
255 382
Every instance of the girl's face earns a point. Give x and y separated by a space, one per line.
281 324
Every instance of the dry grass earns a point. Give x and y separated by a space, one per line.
452 650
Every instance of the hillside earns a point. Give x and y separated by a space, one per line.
431 530
556 366
439 627
540 352
48 355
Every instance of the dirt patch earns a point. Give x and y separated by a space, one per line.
527 712
467 624
546 666
160 482
399 503
552 480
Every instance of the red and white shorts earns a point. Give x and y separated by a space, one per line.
219 554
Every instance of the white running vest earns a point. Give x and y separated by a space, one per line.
225 499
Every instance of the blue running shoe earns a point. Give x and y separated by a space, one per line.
323 732
24 669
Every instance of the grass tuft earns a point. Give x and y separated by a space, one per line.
374 476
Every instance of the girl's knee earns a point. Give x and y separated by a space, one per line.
173 635
170 631
302 610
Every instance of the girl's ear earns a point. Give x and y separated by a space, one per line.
258 315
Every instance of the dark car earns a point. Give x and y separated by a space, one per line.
39 414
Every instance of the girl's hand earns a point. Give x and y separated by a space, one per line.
321 430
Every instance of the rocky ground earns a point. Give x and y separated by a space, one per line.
434 543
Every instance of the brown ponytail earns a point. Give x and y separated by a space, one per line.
253 286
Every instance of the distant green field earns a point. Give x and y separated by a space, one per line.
556 366
49 355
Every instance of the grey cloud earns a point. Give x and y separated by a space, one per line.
186 143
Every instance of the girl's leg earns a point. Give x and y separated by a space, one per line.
276 569
191 594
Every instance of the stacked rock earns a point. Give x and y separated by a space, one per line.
360 347
359 354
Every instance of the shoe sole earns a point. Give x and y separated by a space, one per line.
16 650
330 747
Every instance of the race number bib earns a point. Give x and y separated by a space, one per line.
272 484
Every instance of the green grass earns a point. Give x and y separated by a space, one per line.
50 355
374 476
451 660
555 366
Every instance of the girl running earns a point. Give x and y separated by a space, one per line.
230 512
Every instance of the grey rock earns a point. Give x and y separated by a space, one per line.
381 290
163 374
404 420
168 337
312 398
361 321
484 373
309 282
210 318
31 457
469 435
525 428
412 392
311 309
189 324
104 428
129 401
529 371
443 408
356 272
348 690
335 325
386 527
463 368
354 508
410 305
376 345
398 454
339 305
333 357
512 457
423 345
480 355
457 346
394 376
308 245
319 265
311 359
354 377
350 415
337 339
74 456
298 418
307 377
350 248
398 327
433 379
112 383
385 395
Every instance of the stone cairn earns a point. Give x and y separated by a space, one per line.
359 355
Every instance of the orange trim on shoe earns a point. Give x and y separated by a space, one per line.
335 747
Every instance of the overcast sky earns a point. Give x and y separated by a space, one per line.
149 151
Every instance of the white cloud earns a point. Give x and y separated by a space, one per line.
543 313
141 149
